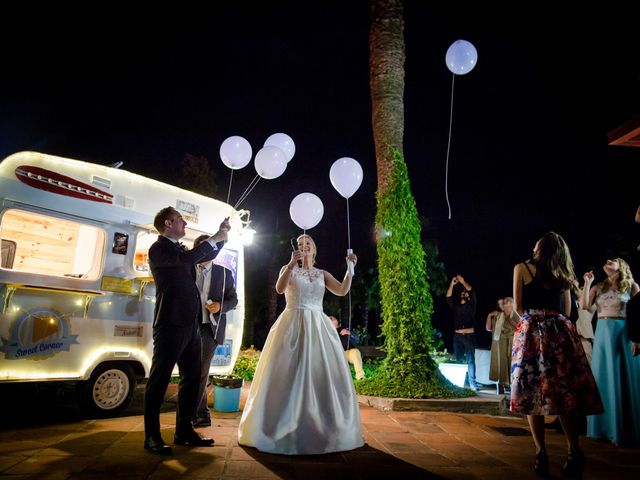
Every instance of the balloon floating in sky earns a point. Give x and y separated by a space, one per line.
461 57
346 176
306 210
270 162
235 152
284 142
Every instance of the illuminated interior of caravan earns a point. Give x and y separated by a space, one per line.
46 245
146 239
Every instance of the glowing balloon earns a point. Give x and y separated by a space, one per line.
283 142
306 210
461 57
235 152
270 162
346 176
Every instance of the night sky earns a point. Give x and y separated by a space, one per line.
529 146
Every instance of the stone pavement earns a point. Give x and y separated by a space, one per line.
43 436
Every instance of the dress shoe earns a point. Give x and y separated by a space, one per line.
157 445
192 439
201 422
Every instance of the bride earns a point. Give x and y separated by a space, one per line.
302 400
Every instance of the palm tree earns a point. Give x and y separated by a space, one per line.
408 370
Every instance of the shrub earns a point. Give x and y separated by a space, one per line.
246 363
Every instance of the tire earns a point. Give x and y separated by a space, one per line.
108 391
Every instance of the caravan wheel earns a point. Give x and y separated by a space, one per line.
109 390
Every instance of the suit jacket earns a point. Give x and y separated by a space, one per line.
218 274
173 269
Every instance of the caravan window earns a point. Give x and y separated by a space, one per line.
36 243
141 258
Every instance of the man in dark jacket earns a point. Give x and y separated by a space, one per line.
217 297
175 328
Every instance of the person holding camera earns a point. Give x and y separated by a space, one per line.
463 306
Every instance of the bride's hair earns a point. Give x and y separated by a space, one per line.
313 247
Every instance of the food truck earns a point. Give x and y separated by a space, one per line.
76 291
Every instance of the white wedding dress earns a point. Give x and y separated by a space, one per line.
302 400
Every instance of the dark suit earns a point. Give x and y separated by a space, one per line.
175 331
213 335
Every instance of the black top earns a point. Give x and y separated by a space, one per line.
535 296
463 314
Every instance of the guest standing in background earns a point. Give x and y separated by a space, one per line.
614 363
550 372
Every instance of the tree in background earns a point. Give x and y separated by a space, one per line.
436 272
408 369
197 175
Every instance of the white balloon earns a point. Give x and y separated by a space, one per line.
306 210
235 152
270 162
283 142
461 57
346 176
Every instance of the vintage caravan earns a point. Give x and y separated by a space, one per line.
76 290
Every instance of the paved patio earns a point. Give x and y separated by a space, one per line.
44 436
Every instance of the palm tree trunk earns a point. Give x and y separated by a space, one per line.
386 67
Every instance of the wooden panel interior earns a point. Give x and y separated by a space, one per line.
45 245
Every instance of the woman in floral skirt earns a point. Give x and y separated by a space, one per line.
550 372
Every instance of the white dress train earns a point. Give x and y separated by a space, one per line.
302 399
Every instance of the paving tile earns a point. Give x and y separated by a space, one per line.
400 470
402 445
191 469
143 463
48 464
21 447
474 460
453 450
427 460
453 473
432 439
8 461
418 427
252 469
493 473
460 428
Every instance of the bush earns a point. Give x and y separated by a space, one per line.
246 364
385 382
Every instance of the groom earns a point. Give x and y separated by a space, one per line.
175 327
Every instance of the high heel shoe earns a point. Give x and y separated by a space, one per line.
541 466
574 464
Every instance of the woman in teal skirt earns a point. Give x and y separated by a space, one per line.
615 363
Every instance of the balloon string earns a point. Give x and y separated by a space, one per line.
244 194
230 182
349 328
248 190
348 226
349 243
446 178
251 190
